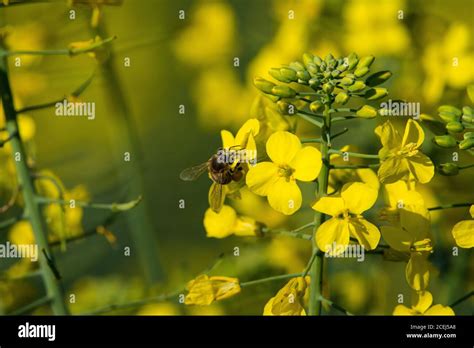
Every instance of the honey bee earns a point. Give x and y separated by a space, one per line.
221 172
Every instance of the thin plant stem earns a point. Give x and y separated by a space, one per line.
449 206
462 299
316 270
32 207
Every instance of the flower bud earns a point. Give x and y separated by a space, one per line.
448 117
297 66
303 75
365 62
288 74
378 78
312 68
451 109
283 91
316 106
347 81
448 169
342 98
445 141
455 127
466 144
366 111
375 93
314 82
276 74
357 86
308 58
467 110
286 108
352 61
359 72
467 118
263 85
328 88
317 60
468 135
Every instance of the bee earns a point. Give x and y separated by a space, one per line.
221 173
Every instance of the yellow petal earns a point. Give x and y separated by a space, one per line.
307 164
392 170
332 231
282 147
329 205
396 237
285 196
245 226
366 233
388 135
227 139
358 197
413 134
267 310
440 310
421 167
417 271
463 233
251 127
262 177
424 299
402 310
220 225
471 211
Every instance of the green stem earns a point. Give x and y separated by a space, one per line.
270 279
60 52
310 140
354 154
454 205
316 271
462 299
310 119
466 166
32 207
89 205
126 137
296 233
357 166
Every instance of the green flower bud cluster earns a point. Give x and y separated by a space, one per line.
457 122
332 80
448 169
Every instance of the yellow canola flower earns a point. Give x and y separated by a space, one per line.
347 221
159 309
397 197
204 290
401 156
463 232
227 222
423 306
289 300
412 236
277 179
244 139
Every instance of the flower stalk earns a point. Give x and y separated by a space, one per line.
316 271
32 206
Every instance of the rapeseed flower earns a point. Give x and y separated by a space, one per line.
204 289
401 157
277 179
463 231
227 222
289 300
423 306
347 221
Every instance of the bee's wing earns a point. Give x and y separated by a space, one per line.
216 197
191 174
